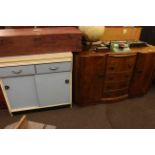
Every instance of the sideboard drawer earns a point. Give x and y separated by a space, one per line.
116 93
17 71
118 76
120 64
110 86
54 67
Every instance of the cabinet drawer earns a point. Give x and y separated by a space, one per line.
120 64
17 71
118 76
110 86
54 67
115 93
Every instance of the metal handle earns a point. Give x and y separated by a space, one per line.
67 81
53 68
17 72
7 87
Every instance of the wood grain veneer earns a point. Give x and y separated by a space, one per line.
103 77
39 40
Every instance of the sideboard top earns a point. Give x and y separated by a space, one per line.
147 49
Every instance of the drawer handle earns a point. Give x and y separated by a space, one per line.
7 87
17 72
53 68
67 81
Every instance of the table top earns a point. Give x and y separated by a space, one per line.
35 59
38 31
146 49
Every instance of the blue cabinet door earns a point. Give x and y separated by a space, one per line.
21 92
53 89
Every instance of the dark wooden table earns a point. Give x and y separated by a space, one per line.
27 41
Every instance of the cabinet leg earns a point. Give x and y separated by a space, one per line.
71 106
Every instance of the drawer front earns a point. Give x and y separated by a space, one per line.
17 71
111 86
115 93
120 64
54 67
118 76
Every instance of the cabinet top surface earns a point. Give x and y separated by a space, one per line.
35 59
147 49
39 31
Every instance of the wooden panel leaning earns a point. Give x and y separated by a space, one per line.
24 123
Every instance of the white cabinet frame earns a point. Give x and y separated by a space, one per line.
34 60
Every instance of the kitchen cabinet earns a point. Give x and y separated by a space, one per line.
31 82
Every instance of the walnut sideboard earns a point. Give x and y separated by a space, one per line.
36 81
109 77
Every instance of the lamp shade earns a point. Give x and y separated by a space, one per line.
92 33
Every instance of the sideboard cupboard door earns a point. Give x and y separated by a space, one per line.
21 92
89 78
54 89
143 74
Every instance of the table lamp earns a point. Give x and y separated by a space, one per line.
92 34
